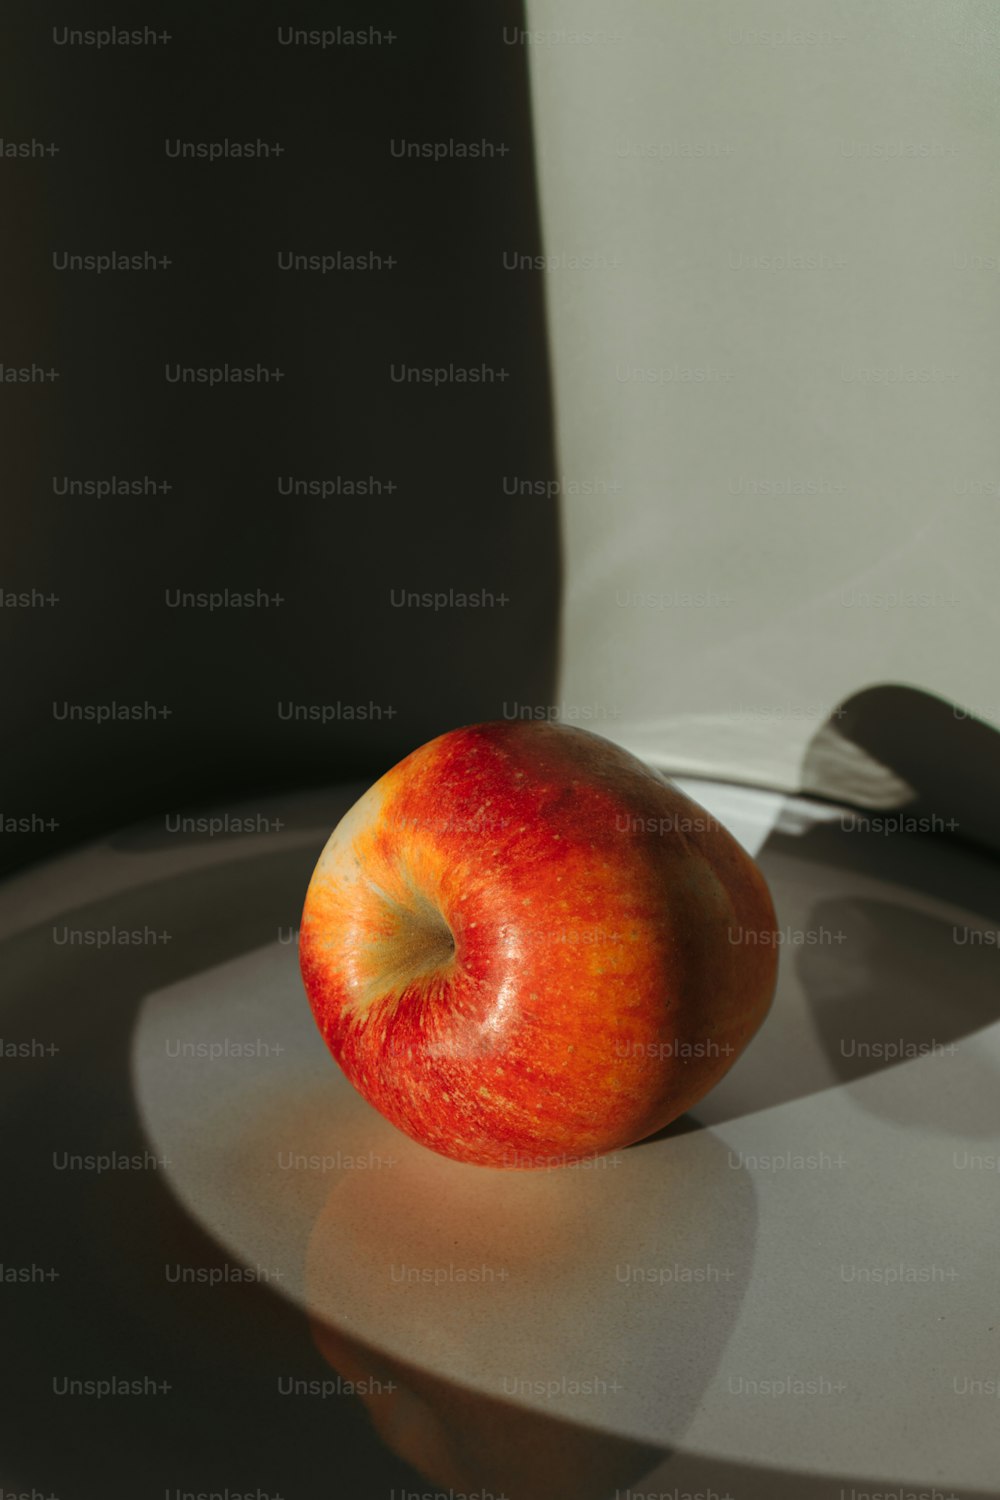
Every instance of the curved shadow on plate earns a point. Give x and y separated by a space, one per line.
860 970
873 985
904 988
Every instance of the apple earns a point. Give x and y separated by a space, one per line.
525 948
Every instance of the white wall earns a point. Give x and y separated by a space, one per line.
863 139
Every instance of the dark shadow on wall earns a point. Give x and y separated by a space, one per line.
945 755
325 675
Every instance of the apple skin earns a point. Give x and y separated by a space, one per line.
526 948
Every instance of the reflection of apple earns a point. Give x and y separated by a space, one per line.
524 947
455 1436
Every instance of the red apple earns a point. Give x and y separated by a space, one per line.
524 947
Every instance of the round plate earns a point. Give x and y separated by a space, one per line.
797 1285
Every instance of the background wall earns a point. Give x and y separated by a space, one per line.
417 473
774 310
